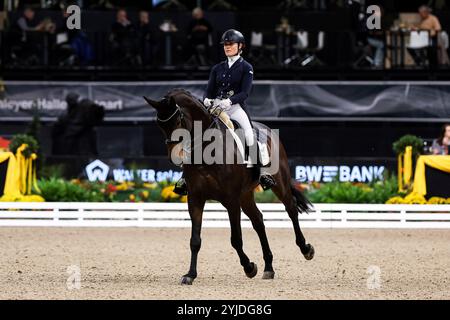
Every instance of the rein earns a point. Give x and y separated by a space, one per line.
181 119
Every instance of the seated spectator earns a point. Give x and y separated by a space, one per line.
199 33
62 51
123 39
442 144
431 23
26 45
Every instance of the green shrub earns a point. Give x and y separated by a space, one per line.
347 192
59 190
408 140
20 139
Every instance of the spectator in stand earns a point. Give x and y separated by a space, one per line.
25 37
146 36
431 23
199 33
442 144
123 40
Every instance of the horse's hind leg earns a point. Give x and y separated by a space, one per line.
196 213
294 202
251 210
234 213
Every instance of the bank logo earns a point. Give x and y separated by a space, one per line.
342 173
97 170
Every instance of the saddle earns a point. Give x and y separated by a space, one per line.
232 125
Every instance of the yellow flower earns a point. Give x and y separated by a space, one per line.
437 200
414 198
183 199
122 187
132 197
395 200
145 194
150 185
167 193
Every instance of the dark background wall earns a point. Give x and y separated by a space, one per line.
318 138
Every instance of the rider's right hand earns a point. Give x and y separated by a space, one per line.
208 102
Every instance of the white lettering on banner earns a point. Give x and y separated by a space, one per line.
98 171
110 104
53 104
356 174
329 173
308 173
344 173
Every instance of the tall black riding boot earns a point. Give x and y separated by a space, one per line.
265 180
181 187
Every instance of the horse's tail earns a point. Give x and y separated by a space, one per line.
301 202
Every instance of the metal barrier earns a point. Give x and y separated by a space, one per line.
175 215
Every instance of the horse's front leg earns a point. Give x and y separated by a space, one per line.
196 206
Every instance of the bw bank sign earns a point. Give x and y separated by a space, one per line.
99 171
343 173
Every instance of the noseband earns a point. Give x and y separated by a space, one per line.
180 118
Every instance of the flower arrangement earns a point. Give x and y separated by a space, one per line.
414 198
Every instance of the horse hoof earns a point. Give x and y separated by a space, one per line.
187 280
310 254
252 273
268 275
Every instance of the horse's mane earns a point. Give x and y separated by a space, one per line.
176 92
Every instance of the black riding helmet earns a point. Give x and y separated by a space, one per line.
232 36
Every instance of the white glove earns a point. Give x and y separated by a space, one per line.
208 102
225 104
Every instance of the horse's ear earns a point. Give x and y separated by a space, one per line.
153 103
172 102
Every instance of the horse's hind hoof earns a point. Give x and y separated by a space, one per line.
268 275
310 254
186 280
252 273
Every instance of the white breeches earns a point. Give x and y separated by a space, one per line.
238 114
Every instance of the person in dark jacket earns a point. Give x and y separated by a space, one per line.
124 40
74 132
199 35
229 86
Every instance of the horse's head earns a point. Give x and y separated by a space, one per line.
177 110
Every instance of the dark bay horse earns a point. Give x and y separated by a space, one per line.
230 184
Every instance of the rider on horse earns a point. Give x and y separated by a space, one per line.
231 81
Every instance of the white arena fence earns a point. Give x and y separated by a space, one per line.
176 215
